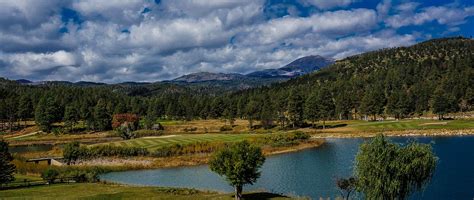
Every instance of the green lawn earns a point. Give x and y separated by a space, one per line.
411 124
154 143
110 191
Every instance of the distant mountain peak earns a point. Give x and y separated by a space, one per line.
298 67
208 76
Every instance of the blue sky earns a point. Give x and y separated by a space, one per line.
145 40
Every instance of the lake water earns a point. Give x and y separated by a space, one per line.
312 173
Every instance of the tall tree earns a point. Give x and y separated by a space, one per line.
45 113
386 170
6 167
311 107
295 108
373 101
102 118
325 105
251 111
71 116
239 163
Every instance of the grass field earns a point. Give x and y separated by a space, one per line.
152 143
110 191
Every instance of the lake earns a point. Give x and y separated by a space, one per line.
312 173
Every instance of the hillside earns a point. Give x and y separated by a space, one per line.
296 68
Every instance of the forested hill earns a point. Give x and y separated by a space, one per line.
403 81
435 76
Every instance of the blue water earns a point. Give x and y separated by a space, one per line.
312 173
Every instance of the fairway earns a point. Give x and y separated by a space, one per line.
152 143
413 124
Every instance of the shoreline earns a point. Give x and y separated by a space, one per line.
142 163
406 133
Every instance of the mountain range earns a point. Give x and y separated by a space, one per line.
222 81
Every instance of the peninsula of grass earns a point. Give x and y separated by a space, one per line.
153 143
113 191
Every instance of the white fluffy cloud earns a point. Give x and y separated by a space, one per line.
327 4
442 14
117 41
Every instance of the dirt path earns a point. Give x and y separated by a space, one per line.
25 135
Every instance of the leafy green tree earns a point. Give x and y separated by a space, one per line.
346 186
295 108
239 163
386 170
50 175
102 119
6 167
71 152
45 113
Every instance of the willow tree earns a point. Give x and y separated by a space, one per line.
386 170
239 163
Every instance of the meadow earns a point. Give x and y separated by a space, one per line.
113 191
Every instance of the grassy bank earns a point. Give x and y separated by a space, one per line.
112 191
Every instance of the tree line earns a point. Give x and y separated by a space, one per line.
430 77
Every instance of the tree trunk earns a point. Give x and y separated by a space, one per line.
324 124
238 192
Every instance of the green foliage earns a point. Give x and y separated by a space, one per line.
239 163
46 113
387 170
50 175
6 167
71 152
295 108
102 117
282 139
146 133
188 149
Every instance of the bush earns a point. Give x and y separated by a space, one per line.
50 175
145 133
198 147
190 129
226 128
283 139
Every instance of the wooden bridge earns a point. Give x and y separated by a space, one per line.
56 161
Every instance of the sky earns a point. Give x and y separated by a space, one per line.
151 40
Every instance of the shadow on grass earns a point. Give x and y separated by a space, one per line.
262 195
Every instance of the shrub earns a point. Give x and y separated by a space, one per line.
226 128
190 129
50 175
145 133
198 147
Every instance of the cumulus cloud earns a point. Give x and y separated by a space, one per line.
140 40
442 14
328 4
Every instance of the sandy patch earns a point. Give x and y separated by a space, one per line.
434 123
164 136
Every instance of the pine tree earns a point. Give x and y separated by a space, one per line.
325 105
311 107
102 119
71 116
6 167
45 113
295 108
